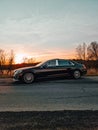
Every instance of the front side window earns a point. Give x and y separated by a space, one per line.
51 63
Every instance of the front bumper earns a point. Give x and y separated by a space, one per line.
17 77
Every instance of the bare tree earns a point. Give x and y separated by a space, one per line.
11 61
25 60
81 51
28 60
92 51
2 60
31 60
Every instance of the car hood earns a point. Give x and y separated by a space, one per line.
24 68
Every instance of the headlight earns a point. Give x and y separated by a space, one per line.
17 71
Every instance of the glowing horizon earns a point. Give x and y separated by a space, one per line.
19 57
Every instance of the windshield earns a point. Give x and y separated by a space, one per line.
41 63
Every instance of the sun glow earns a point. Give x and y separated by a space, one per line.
19 58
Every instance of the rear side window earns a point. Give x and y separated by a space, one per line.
64 63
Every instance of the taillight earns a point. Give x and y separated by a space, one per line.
84 66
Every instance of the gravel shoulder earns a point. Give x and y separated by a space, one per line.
49 120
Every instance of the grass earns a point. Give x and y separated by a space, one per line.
92 72
6 74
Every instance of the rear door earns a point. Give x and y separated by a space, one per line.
65 66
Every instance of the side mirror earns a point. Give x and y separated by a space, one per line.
44 66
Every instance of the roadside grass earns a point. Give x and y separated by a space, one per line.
5 74
92 72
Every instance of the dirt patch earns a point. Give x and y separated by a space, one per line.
56 120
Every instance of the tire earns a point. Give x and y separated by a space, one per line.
77 74
28 78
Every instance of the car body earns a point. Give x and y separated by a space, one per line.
50 68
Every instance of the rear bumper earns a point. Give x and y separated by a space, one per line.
84 72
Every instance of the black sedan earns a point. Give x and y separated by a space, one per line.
50 68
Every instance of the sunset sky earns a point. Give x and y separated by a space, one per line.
47 28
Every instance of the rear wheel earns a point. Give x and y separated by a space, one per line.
28 78
76 74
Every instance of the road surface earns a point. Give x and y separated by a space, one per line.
48 95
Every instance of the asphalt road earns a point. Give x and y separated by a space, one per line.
47 95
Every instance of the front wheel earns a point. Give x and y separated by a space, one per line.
76 74
28 78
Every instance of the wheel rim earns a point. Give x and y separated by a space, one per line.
28 78
77 74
